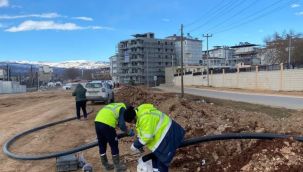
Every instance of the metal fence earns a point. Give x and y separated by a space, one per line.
7 87
245 69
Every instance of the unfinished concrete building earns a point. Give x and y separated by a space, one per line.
142 58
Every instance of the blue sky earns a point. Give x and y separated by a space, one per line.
61 30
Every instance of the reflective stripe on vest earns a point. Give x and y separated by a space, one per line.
158 125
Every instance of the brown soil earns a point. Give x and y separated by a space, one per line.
24 111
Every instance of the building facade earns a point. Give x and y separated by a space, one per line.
45 74
245 53
142 58
114 68
192 50
218 57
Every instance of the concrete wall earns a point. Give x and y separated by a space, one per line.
11 87
278 80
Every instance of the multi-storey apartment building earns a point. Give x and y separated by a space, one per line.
192 50
218 56
142 59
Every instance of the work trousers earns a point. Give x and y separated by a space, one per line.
81 105
158 165
106 134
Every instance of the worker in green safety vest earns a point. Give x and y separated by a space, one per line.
157 131
107 119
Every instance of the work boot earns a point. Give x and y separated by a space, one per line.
119 166
105 165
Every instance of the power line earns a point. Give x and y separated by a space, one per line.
202 16
257 17
230 5
207 56
236 14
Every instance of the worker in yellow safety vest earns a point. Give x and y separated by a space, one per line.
105 123
157 131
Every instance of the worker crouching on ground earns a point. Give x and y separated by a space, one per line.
158 132
105 123
80 101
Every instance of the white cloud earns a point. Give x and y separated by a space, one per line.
30 25
83 18
295 5
101 27
165 20
43 15
4 3
299 13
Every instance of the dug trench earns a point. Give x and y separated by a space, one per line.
199 116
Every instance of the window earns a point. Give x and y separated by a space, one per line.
93 85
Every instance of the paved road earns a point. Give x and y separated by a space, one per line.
290 102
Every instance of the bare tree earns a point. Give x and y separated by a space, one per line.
71 73
87 74
277 48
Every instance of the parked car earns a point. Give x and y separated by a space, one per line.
67 86
99 91
70 86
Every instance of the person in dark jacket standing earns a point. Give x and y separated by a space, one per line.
158 132
80 101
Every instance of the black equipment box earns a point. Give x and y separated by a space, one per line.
67 163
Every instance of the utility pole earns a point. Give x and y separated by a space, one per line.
147 68
289 51
182 84
207 36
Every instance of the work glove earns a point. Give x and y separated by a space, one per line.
136 150
131 133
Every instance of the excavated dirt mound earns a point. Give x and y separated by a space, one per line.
201 118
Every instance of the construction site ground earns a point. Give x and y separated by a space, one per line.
198 115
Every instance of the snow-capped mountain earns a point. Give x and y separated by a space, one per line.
80 64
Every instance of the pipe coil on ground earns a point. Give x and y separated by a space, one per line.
10 141
187 142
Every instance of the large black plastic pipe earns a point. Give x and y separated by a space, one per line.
9 142
187 142
228 136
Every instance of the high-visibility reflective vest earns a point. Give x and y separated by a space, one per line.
152 125
109 114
